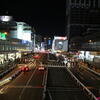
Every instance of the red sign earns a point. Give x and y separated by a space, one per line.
36 57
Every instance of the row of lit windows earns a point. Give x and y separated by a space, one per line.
90 3
10 47
85 1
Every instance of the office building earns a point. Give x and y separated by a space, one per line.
15 38
82 18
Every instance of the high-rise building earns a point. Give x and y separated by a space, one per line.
81 15
83 28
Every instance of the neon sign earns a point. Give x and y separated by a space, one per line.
2 36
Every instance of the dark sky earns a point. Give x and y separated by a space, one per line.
47 16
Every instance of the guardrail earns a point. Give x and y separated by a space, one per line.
6 71
44 83
50 95
96 73
89 93
8 79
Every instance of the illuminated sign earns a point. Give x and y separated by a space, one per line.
59 43
5 18
24 41
2 36
36 57
60 38
49 42
23 34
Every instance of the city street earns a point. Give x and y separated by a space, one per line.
27 85
50 50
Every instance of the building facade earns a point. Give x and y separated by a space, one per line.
21 31
83 26
15 38
82 20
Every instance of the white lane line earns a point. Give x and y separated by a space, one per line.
44 76
5 81
26 85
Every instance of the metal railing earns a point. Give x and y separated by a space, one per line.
96 73
86 90
45 84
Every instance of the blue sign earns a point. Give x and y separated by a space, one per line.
49 42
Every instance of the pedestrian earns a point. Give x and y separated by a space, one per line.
68 64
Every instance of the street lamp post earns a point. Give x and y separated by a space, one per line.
34 43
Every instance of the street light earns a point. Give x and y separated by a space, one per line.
34 43
90 41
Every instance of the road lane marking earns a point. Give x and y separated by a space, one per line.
2 90
5 81
26 84
44 76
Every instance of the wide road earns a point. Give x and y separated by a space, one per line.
26 86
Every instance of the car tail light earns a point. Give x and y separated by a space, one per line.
41 68
27 69
22 68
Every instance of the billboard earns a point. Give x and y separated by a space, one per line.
60 44
5 18
22 33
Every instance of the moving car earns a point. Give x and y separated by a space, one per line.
24 68
41 68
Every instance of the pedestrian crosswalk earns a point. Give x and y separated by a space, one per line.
54 64
47 64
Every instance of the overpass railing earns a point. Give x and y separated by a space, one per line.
86 90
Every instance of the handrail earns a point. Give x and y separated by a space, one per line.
45 83
50 95
84 88
96 73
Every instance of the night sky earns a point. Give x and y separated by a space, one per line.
47 16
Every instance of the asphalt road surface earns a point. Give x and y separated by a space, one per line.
26 86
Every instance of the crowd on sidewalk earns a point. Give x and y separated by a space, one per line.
81 63
92 66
